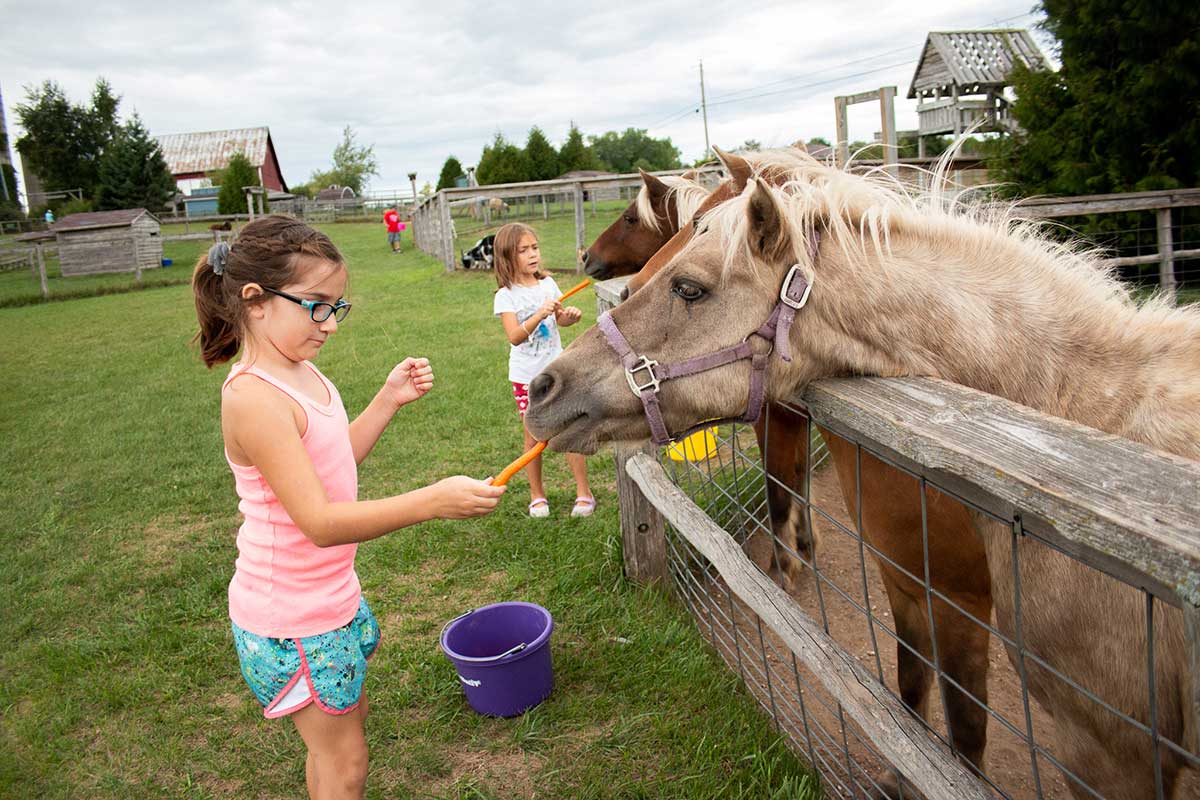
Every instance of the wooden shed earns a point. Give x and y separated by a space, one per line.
108 241
961 79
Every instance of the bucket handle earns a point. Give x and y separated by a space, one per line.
442 635
512 651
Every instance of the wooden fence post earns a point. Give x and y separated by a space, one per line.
643 536
447 235
580 230
41 262
1166 249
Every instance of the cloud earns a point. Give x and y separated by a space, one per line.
423 80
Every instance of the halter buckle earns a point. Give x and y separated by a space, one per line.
787 282
647 364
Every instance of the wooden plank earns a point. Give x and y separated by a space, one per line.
1116 504
1191 626
898 735
565 185
608 293
41 259
1048 207
1151 258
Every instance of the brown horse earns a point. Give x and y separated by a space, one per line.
891 512
1018 316
662 205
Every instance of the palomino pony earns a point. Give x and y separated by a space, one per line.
663 206
891 512
1018 316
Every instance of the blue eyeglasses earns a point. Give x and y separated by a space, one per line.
317 309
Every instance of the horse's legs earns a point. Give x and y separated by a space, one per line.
784 442
914 675
963 657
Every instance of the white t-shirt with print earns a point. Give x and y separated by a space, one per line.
527 359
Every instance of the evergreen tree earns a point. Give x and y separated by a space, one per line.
133 172
502 162
543 160
451 171
64 141
576 155
634 149
238 173
353 165
1123 113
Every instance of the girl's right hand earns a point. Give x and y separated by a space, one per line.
548 308
462 497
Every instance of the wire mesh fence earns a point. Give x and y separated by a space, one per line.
898 576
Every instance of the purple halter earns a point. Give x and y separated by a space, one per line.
793 294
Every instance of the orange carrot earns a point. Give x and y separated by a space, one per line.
518 465
574 290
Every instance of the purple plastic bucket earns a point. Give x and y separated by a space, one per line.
502 654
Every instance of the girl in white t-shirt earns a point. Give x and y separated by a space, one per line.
527 304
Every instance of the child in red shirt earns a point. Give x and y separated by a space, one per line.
391 218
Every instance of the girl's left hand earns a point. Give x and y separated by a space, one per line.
410 380
569 316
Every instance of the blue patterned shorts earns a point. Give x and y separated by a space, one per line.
328 669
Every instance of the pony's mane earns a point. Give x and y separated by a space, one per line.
860 213
688 194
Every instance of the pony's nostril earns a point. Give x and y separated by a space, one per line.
541 387
624 294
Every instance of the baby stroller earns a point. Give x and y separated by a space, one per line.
480 256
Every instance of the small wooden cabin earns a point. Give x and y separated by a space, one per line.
108 241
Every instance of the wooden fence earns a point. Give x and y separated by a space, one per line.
1122 509
435 231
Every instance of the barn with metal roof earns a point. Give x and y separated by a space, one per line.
194 157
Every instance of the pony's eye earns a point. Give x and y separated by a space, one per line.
630 219
688 291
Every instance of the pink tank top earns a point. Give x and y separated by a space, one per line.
284 586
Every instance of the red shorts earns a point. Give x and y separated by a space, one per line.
521 394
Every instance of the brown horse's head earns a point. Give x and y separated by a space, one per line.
645 226
706 298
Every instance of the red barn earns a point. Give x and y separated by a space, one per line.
193 157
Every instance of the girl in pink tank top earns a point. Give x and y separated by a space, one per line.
302 629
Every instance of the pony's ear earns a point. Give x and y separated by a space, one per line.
739 169
767 234
656 189
800 145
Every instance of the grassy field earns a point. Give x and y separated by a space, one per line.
118 676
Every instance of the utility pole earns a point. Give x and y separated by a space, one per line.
704 108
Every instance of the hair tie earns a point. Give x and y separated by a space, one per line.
218 256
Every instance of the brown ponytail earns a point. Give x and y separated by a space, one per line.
268 252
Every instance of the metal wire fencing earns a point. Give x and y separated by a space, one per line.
905 536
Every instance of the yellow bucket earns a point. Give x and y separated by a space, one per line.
697 447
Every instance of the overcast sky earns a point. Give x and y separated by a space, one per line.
425 80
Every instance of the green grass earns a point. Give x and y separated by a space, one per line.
118 676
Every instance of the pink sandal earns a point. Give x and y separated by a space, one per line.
584 506
539 508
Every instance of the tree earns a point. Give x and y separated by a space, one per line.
502 162
575 155
634 149
353 165
541 156
63 141
1123 112
238 173
451 171
133 172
